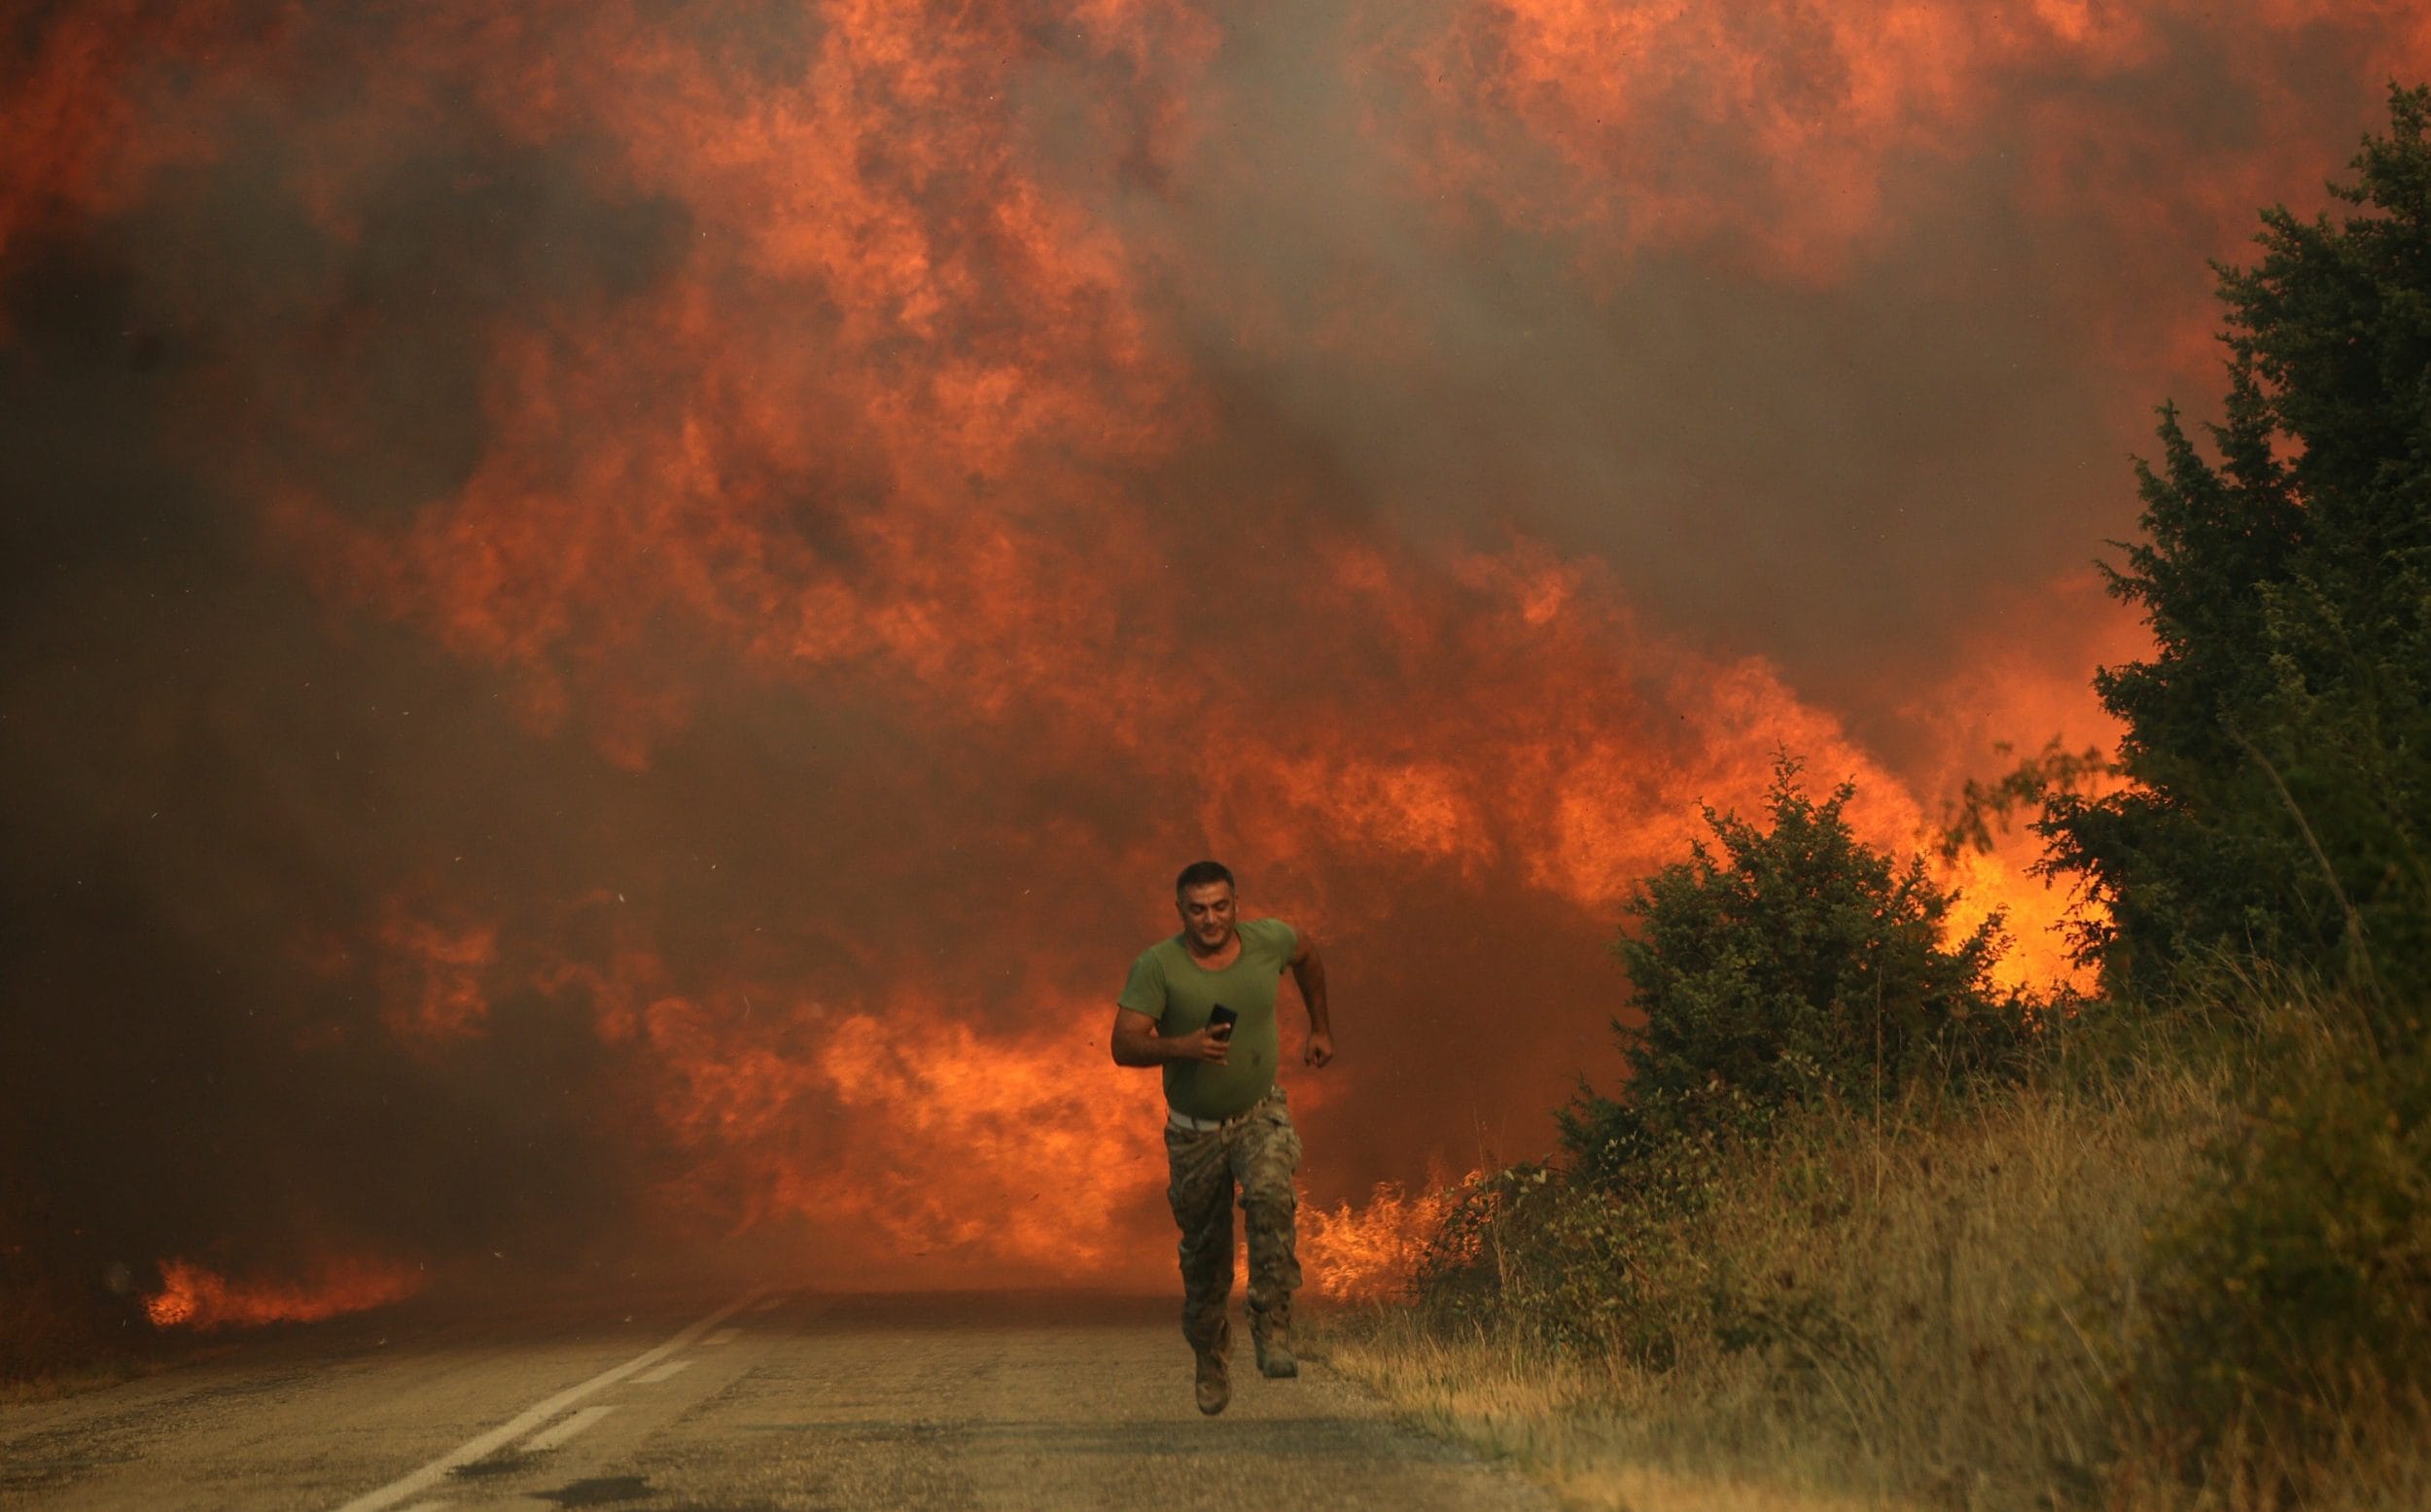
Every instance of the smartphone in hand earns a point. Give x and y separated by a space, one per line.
1219 1021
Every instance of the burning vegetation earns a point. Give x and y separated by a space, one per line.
192 1297
619 614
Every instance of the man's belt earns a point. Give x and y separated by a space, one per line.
1184 1121
1174 1118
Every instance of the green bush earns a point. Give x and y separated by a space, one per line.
1784 965
1787 970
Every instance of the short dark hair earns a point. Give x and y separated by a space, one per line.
1199 873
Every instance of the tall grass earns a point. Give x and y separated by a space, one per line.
1978 1303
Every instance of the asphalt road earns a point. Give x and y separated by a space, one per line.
775 1402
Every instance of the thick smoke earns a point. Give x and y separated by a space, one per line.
617 616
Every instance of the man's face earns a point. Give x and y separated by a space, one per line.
1206 913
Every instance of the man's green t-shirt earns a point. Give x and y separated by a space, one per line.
1175 991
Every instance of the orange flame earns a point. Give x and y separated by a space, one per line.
906 1141
192 1297
875 432
1817 112
1372 1252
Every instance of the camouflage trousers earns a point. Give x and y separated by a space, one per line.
1255 1157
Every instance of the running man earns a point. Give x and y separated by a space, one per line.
1226 1124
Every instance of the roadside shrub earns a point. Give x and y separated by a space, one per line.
1788 964
1541 1254
1936 1302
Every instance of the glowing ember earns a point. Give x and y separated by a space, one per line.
192 1297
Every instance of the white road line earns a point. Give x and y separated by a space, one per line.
530 1417
653 1376
771 1305
426 1506
565 1429
722 1336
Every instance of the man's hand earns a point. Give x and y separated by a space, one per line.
1205 1045
1308 971
1138 1044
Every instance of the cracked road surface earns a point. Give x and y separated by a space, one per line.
774 1402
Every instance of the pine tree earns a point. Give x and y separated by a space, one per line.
2277 738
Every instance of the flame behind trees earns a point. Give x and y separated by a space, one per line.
2278 740
631 605
1789 965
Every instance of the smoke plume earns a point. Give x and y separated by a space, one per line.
617 615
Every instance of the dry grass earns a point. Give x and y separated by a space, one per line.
91 1376
1595 1437
56 1342
1937 1311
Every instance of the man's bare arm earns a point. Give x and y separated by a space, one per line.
1138 1044
1308 972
